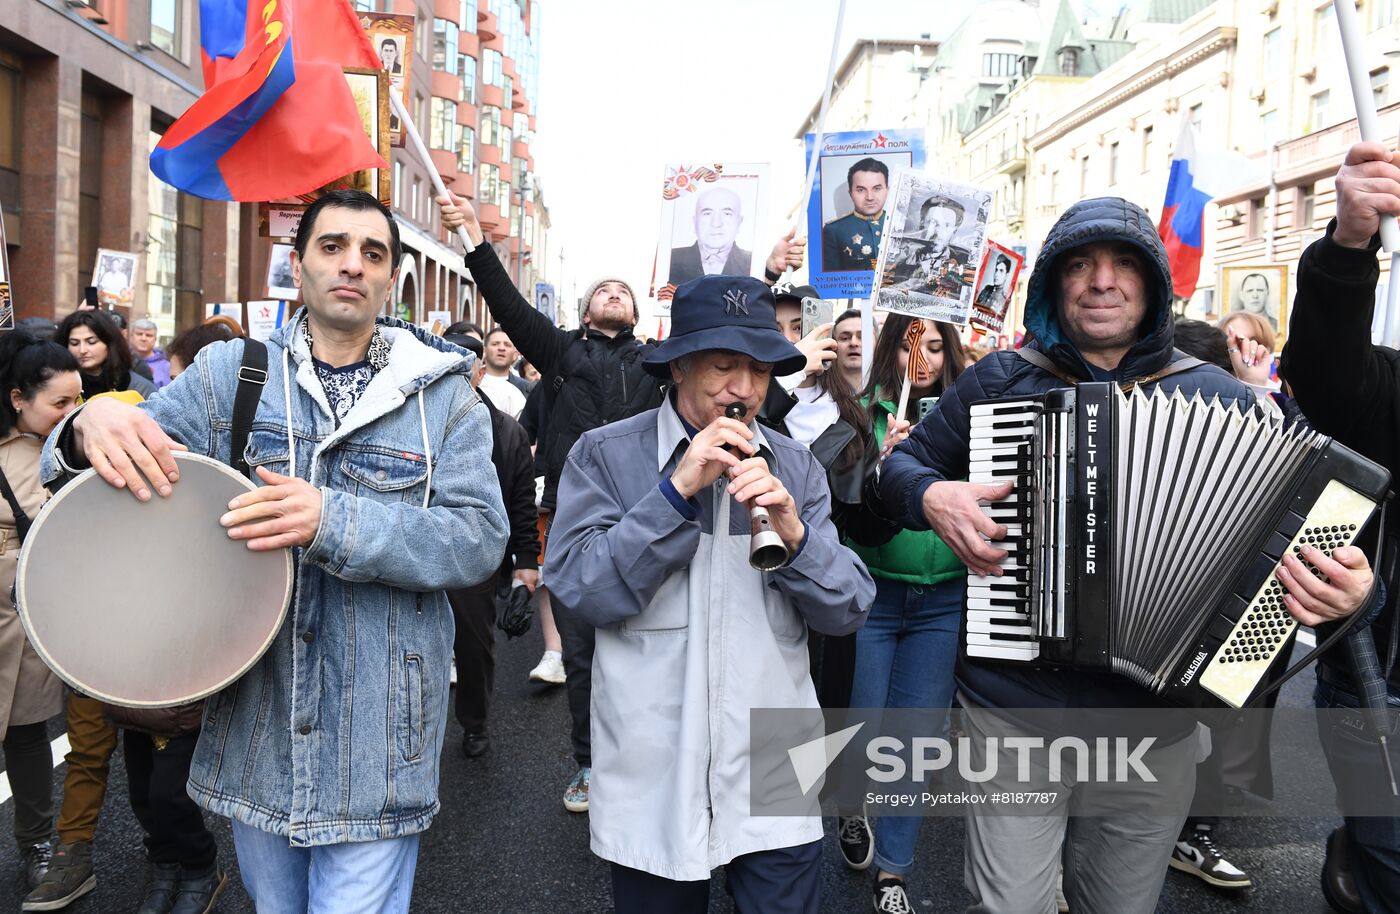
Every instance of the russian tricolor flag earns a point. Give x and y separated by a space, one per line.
1197 177
276 118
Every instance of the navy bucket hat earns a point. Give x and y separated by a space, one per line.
734 313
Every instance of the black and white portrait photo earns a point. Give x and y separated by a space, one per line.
930 256
280 284
1259 289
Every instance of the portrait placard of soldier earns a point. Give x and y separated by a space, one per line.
1001 266
930 255
711 218
391 35
846 219
1260 289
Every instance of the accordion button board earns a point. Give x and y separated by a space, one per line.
1259 636
1144 532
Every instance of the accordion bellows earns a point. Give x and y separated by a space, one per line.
1144 531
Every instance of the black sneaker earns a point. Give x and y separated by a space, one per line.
198 891
856 840
890 897
34 860
69 878
1196 853
475 745
160 889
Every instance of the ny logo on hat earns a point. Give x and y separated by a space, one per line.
736 302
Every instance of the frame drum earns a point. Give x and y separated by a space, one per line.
149 604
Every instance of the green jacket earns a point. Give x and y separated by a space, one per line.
912 556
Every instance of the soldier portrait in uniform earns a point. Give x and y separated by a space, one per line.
930 256
1000 268
852 242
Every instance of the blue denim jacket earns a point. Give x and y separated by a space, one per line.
334 736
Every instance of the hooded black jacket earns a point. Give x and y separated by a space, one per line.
937 448
589 378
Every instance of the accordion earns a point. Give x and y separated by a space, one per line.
1143 532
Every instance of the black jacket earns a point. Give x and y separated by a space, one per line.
937 447
589 378
1348 388
510 452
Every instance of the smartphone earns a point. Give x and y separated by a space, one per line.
925 405
815 312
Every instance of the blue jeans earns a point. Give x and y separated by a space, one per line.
1354 758
904 659
368 877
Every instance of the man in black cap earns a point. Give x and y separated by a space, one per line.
690 637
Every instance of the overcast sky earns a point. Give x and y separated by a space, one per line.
629 86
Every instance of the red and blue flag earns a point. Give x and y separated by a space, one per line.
277 117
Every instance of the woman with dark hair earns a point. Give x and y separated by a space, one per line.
39 385
103 356
906 651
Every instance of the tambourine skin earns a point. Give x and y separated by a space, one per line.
150 604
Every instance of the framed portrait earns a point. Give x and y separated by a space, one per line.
932 248
1260 289
846 212
391 34
114 275
279 274
712 216
370 89
996 284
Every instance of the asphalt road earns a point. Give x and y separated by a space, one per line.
504 842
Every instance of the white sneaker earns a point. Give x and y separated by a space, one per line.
550 669
452 677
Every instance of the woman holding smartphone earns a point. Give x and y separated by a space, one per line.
906 651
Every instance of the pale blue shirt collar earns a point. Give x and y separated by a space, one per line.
671 435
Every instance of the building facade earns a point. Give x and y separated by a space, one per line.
87 87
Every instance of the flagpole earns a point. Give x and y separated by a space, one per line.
397 104
801 225
1353 49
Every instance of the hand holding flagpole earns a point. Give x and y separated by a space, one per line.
412 130
1354 50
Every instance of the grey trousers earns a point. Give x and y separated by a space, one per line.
1113 864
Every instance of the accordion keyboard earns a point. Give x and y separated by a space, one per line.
999 620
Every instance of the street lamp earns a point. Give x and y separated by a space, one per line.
526 185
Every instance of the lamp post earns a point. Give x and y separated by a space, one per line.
526 185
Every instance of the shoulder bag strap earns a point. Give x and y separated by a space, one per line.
22 521
1044 363
252 375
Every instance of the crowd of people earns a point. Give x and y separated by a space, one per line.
609 480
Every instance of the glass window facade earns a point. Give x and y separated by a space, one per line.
442 131
466 150
445 45
165 26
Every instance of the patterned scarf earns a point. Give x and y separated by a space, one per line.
344 385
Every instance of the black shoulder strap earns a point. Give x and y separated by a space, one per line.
567 363
22 521
252 375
